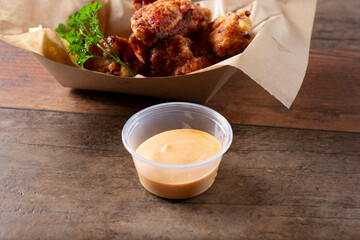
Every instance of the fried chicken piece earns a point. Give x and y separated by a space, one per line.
200 19
192 65
166 18
139 48
202 39
140 3
122 49
175 56
229 34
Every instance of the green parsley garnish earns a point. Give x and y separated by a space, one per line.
82 30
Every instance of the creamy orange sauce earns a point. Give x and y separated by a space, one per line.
180 146
180 190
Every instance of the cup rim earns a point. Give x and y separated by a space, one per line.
147 111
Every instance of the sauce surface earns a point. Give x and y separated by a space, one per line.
180 146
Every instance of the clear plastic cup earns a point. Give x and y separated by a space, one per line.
176 181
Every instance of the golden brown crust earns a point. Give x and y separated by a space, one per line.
165 18
140 49
191 65
174 37
175 56
200 19
229 34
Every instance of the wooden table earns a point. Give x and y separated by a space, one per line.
289 174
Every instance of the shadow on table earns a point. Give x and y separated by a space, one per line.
114 103
232 187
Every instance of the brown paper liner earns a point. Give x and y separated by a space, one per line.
196 87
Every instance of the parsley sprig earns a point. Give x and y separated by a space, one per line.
82 30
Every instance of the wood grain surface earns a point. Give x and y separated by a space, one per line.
68 176
329 98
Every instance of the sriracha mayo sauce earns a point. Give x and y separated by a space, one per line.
180 146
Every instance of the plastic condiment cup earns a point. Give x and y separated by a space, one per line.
176 181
